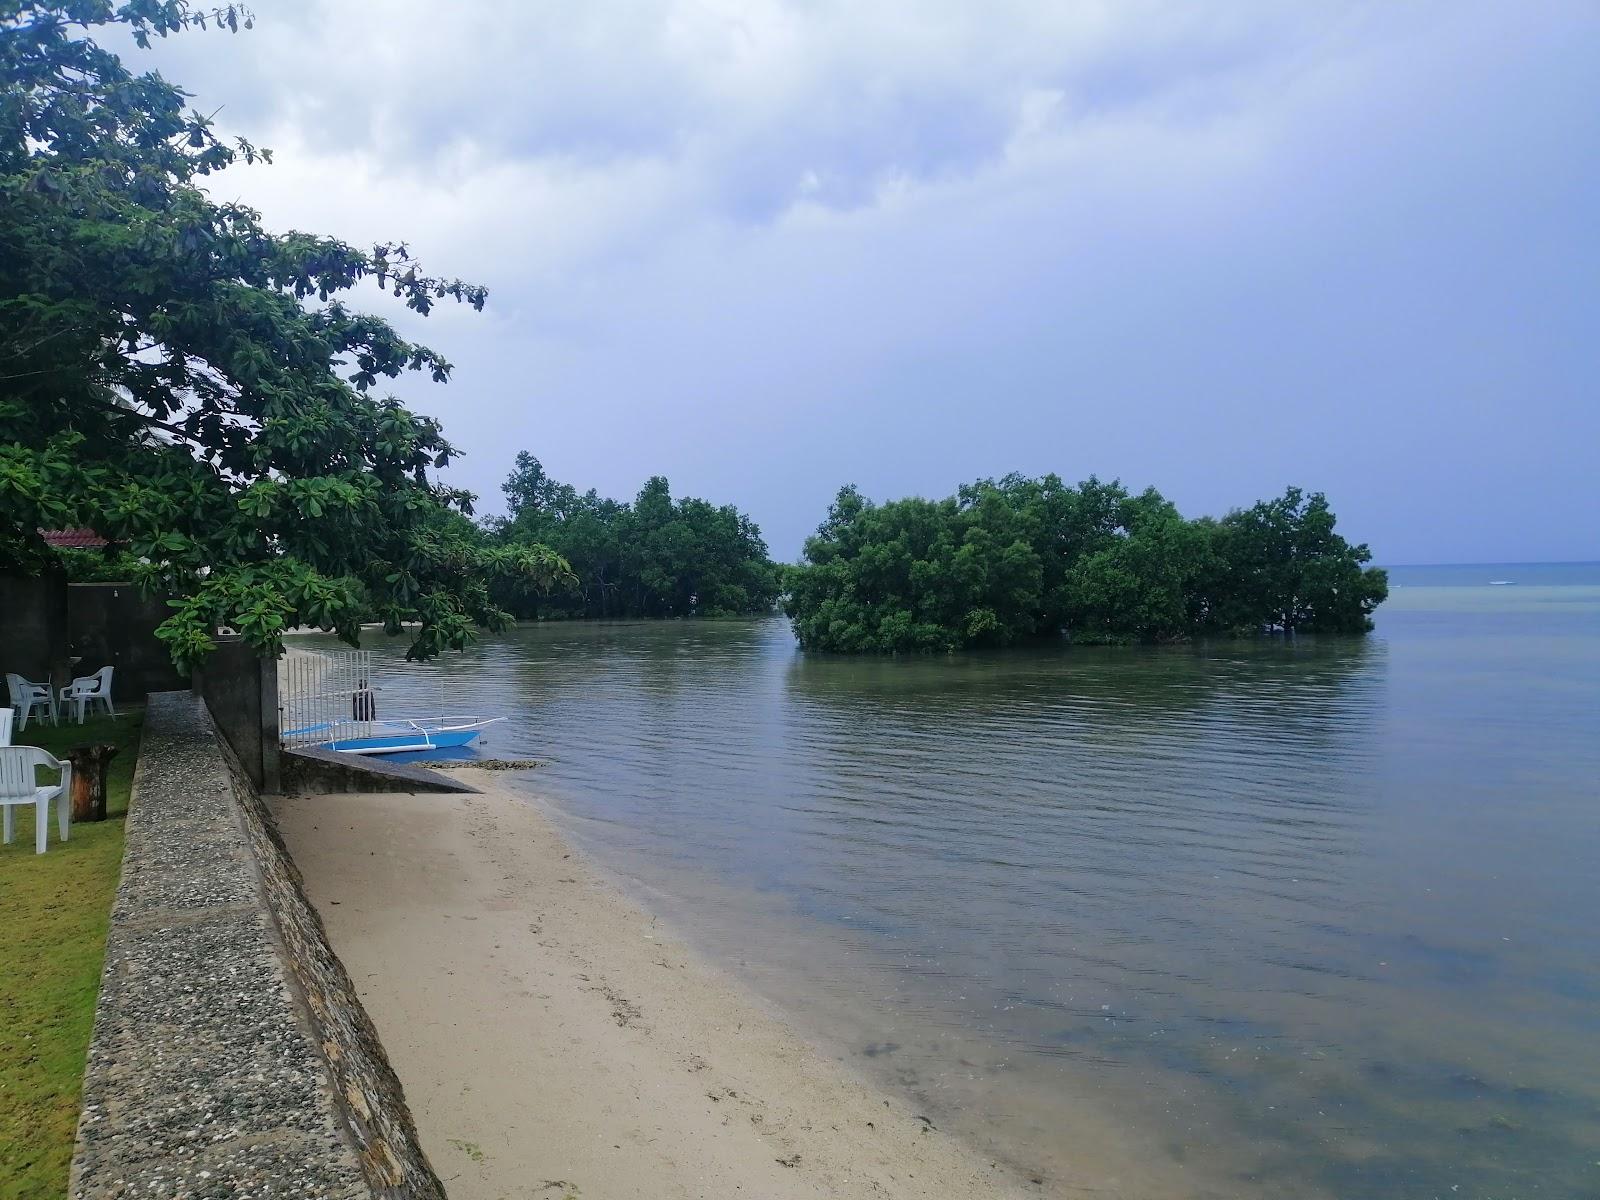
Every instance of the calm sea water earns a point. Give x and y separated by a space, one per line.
1243 919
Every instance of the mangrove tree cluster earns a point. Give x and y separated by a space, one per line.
655 557
1019 558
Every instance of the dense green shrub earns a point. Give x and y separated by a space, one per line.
1019 558
656 557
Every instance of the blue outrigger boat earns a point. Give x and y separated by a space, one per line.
399 737
390 737
327 700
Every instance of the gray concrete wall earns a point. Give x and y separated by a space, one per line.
309 771
113 624
230 1055
241 690
33 627
44 621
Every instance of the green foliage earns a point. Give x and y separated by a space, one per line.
1288 569
654 558
1022 558
185 382
98 566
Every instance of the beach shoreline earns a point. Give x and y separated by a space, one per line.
555 1040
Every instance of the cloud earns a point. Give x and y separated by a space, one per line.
770 247
759 105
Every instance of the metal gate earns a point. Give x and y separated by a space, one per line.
324 696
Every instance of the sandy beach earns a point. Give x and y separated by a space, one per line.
555 1042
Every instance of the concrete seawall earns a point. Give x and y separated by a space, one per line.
230 1055
311 771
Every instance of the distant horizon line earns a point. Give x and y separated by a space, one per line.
1502 562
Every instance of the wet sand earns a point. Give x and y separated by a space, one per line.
555 1042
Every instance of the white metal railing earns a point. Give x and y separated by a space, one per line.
323 696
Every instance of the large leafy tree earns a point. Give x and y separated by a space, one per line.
1143 582
190 384
919 574
655 557
1282 565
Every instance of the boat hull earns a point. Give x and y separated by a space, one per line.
401 743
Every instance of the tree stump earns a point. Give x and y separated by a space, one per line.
89 765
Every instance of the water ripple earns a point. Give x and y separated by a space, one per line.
1266 901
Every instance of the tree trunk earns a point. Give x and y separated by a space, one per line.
89 765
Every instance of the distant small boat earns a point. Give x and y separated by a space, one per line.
394 737
1502 583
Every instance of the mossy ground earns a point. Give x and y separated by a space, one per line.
54 909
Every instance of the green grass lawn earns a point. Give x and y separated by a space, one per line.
54 909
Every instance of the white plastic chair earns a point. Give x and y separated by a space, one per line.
25 697
83 691
5 726
19 785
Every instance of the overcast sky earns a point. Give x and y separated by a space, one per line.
766 249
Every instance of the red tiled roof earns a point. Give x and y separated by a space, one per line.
73 539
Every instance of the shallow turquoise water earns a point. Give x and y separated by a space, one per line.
1295 918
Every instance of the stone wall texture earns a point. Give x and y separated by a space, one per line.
230 1055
